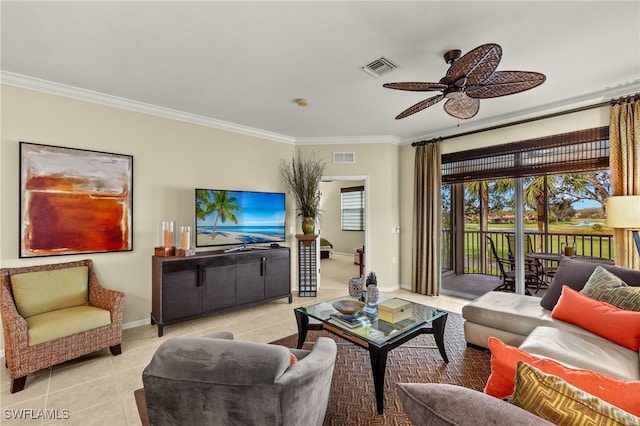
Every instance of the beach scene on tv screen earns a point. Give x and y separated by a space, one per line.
238 217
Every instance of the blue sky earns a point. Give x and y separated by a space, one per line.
586 204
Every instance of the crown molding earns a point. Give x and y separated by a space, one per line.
338 140
45 86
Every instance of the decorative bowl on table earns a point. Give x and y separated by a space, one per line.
348 307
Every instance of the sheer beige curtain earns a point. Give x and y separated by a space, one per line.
624 136
426 220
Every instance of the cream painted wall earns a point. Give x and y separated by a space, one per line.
378 163
596 117
331 217
171 158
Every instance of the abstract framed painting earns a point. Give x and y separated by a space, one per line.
74 201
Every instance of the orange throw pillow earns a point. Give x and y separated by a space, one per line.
504 364
605 320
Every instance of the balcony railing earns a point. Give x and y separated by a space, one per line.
478 260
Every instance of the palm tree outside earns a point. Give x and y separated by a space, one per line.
558 208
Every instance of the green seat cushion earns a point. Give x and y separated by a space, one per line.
44 291
65 322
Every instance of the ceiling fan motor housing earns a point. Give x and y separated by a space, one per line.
452 55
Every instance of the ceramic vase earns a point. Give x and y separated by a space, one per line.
308 225
355 287
372 294
371 307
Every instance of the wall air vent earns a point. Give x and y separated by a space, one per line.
379 66
344 157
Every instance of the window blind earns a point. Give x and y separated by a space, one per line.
582 150
352 206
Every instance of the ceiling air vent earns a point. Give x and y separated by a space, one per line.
379 66
344 157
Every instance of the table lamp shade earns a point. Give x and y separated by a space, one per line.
623 212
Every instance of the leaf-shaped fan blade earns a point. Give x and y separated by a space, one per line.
416 86
420 106
477 65
503 83
462 107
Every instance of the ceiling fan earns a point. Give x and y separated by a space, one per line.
470 78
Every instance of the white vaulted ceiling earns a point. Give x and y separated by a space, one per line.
241 65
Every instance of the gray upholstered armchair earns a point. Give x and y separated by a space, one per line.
215 380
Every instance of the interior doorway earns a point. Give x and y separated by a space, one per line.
340 263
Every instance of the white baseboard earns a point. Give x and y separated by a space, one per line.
134 324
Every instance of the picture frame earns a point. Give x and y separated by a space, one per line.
74 201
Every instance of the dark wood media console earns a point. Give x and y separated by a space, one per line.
184 288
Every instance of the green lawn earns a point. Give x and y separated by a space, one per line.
589 241
573 227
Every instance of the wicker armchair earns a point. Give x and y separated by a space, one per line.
22 359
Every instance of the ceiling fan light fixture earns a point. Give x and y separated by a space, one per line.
462 107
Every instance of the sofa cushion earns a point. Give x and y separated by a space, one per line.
583 350
607 287
575 273
511 312
65 322
43 291
514 313
439 404
553 399
504 360
603 319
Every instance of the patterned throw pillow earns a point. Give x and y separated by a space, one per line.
553 399
607 287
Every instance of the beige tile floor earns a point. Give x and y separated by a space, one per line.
98 389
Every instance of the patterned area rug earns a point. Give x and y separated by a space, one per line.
352 397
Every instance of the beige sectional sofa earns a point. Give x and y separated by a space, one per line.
540 367
526 322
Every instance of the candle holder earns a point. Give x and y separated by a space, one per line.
185 248
167 239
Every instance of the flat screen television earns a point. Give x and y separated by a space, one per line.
225 217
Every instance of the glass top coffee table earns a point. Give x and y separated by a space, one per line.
377 336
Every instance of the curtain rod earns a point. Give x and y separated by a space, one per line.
434 140
626 99
514 123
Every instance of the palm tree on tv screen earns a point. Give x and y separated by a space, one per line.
221 204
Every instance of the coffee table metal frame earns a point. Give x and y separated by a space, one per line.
425 320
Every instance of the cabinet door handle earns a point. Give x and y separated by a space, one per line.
201 273
263 267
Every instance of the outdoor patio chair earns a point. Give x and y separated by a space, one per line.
506 267
545 272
